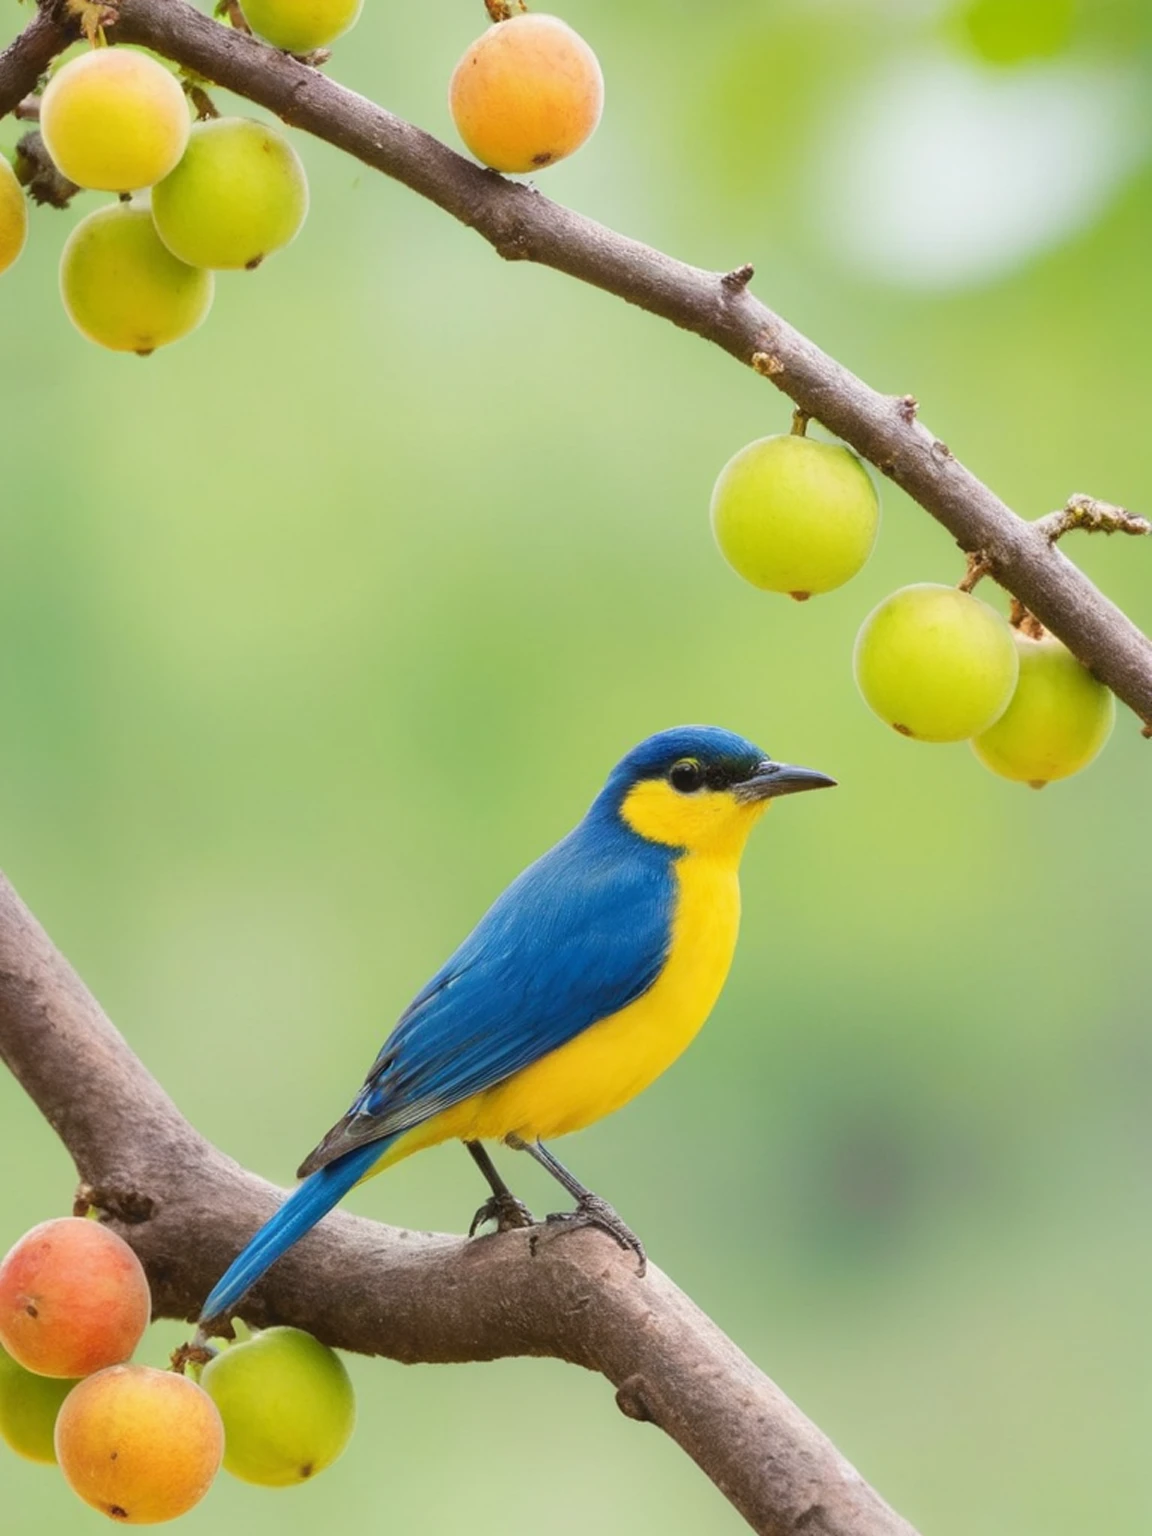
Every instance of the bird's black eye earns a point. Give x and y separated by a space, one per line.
686 775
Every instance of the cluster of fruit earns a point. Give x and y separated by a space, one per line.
798 516
227 192
791 515
137 1443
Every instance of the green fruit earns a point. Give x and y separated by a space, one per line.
13 216
287 1405
794 515
1058 720
238 194
28 1408
1014 31
936 663
123 288
114 120
299 26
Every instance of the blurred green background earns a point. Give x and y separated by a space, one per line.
315 628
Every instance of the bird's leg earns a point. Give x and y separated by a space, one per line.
591 1210
502 1206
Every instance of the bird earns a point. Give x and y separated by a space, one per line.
585 979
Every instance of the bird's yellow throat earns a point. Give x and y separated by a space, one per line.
713 823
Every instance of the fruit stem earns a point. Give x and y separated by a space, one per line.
1027 623
94 16
504 10
205 107
195 1354
978 567
800 420
229 11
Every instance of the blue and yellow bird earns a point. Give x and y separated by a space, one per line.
582 983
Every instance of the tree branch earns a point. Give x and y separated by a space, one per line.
187 1210
28 56
1090 515
522 225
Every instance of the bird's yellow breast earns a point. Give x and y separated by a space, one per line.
615 1059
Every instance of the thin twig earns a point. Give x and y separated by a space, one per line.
1090 515
739 277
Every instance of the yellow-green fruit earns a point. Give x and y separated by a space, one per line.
114 120
13 216
238 194
527 93
122 286
794 515
287 1405
28 1408
936 663
299 26
1058 720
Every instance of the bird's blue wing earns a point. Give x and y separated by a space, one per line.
581 934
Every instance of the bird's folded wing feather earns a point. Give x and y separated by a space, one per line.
579 936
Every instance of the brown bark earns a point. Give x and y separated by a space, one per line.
416 1296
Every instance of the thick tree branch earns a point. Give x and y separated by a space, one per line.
25 60
523 225
187 1210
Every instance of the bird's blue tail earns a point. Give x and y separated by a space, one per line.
299 1213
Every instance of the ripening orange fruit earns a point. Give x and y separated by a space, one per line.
527 93
73 1298
138 1444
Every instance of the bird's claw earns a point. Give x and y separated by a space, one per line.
506 1211
592 1211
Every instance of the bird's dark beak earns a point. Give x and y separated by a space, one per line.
769 779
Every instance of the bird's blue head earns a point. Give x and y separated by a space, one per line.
699 788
